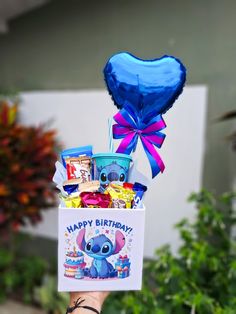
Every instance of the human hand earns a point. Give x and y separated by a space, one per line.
93 299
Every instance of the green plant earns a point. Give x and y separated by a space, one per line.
20 275
201 278
49 299
7 279
31 270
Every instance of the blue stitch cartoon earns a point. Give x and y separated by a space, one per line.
111 173
99 248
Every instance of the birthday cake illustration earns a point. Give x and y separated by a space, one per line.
74 264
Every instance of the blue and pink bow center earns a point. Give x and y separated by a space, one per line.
143 90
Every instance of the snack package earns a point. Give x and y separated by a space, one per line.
91 186
72 201
76 152
76 185
71 186
95 199
139 189
120 196
79 168
119 203
128 186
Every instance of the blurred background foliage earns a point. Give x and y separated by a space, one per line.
27 155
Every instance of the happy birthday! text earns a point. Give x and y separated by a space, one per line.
99 223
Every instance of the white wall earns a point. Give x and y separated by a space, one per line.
81 119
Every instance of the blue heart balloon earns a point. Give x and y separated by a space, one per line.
147 87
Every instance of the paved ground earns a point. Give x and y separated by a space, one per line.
12 307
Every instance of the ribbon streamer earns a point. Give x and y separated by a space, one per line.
130 128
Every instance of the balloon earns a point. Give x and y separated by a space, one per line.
148 87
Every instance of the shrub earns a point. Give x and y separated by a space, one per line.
201 278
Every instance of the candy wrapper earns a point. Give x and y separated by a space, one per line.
71 201
76 152
95 200
79 168
76 186
121 197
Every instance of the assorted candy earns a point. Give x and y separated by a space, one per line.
96 182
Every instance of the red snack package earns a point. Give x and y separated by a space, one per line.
95 199
79 168
128 186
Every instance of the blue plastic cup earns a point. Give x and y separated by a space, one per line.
111 167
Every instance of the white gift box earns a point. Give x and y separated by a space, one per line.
100 249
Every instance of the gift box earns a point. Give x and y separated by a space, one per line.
100 249
123 266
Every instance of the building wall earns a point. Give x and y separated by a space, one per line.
65 44
165 203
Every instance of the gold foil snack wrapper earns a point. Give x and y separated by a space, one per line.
72 201
121 197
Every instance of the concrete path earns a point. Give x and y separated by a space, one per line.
12 307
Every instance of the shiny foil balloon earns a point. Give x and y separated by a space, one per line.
147 87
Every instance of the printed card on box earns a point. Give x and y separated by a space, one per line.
100 249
